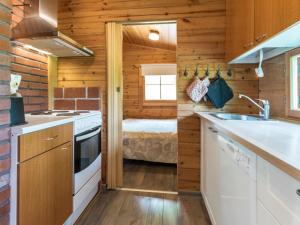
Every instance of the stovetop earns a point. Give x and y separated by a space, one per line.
59 113
82 119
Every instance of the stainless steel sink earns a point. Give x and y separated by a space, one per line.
231 116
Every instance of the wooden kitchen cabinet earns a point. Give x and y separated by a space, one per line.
252 22
45 187
291 12
240 27
269 20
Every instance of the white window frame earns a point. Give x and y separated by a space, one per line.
292 109
160 85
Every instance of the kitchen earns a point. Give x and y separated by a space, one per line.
209 37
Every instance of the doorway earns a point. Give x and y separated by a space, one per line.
146 156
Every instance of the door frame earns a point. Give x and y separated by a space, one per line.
114 44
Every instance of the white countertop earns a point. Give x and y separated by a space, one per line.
276 141
36 123
40 122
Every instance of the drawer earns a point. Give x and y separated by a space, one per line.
35 143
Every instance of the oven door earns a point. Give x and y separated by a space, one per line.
87 156
87 148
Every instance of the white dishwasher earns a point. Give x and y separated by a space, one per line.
237 192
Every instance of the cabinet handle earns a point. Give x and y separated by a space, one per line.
213 130
298 192
264 36
51 138
248 45
260 38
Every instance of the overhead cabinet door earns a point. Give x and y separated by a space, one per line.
269 20
291 12
240 27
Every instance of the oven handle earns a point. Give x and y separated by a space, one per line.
89 135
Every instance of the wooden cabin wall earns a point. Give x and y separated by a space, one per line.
201 40
32 67
273 85
133 57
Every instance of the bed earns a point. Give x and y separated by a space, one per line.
153 140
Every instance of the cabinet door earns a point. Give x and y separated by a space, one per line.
268 18
45 188
240 27
211 171
277 191
291 12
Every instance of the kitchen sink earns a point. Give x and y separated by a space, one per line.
231 116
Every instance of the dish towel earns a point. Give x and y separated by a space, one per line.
219 93
198 89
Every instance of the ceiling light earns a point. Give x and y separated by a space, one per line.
154 35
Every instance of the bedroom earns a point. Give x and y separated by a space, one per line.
150 106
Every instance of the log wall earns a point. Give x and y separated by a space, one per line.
201 40
133 57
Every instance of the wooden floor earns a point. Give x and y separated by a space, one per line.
149 176
137 208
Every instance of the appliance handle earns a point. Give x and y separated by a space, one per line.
89 135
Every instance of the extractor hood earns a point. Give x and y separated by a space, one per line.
38 29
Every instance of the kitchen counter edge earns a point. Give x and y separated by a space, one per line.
37 126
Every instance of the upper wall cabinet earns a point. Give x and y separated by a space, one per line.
268 19
254 25
291 12
240 29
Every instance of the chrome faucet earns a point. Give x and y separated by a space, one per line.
264 111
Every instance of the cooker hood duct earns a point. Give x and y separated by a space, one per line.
38 29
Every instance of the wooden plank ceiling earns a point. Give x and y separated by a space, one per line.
138 34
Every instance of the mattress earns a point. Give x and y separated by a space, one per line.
153 140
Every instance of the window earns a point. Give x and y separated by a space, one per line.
295 83
160 88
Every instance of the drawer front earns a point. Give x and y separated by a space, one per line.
278 193
35 143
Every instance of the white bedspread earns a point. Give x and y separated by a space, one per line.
150 125
150 140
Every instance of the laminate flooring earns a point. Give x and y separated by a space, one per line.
149 176
140 208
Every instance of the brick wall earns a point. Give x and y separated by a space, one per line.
5 19
33 68
88 98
